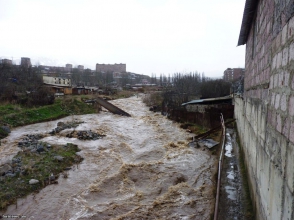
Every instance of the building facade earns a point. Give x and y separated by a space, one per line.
265 114
58 81
80 68
232 74
111 67
25 62
58 85
6 61
68 67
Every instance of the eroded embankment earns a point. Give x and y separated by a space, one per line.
141 169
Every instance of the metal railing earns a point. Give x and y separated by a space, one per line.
220 161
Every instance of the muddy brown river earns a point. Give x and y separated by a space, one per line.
142 169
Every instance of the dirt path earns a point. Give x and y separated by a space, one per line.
142 169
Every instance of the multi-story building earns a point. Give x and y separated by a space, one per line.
6 61
68 67
56 81
232 74
80 68
25 62
58 85
111 67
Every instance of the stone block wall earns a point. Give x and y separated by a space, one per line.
265 115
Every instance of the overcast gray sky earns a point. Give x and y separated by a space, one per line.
150 36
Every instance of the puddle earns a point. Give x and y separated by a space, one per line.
230 184
231 175
232 192
143 168
228 145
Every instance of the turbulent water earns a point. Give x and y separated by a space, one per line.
141 169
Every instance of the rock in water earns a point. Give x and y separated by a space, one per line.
60 124
10 175
33 181
4 169
59 158
52 177
40 148
6 128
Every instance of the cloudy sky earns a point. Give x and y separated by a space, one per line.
150 36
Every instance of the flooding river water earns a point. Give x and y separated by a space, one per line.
142 169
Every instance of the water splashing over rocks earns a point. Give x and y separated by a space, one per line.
142 169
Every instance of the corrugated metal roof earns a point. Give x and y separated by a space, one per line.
199 101
248 16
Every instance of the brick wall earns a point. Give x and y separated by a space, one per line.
265 117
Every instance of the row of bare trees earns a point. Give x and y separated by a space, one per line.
196 84
183 87
23 85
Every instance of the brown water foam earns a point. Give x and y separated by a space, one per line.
142 169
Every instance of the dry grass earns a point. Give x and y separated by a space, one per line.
153 99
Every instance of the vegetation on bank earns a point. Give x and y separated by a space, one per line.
17 115
194 128
153 99
40 166
14 115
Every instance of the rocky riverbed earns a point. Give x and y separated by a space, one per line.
138 167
